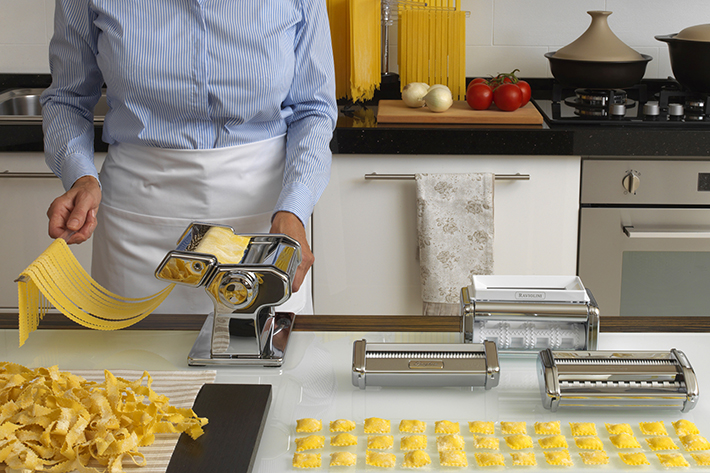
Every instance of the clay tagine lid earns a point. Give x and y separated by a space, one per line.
695 33
598 43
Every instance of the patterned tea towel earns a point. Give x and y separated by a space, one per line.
455 224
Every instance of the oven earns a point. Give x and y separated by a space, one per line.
644 236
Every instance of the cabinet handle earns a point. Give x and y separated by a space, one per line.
632 232
26 175
401 177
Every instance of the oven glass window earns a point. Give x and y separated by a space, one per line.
665 283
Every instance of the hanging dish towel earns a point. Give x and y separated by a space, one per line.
455 224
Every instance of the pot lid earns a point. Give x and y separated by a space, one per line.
695 33
598 43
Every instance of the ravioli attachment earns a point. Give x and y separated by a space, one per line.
580 429
486 443
661 442
616 429
594 458
624 441
343 439
380 442
342 425
553 441
489 459
381 459
481 427
548 428
672 459
446 427
513 428
413 442
634 459
591 442
416 459
518 441
453 458
306 460
412 426
653 428
308 425
523 458
376 425
342 459
311 442
559 457
684 427
702 459
694 442
449 442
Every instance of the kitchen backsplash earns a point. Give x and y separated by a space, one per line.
501 35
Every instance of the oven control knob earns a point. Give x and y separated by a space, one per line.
631 182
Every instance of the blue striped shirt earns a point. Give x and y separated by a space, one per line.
194 74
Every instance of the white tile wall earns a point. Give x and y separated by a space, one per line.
501 35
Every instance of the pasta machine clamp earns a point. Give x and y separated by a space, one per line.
246 276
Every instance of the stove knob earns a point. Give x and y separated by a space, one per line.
617 109
675 111
651 109
631 182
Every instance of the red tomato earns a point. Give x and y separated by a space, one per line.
479 96
475 81
508 97
525 89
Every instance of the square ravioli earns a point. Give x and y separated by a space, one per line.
559 457
449 442
453 458
548 428
518 441
694 442
381 459
344 439
308 425
446 427
311 442
342 459
553 441
684 427
661 442
582 428
416 459
634 459
380 442
413 442
342 425
591 442
653 428
513 428
489 459
306 460
616 429
481 427
702 459
375 425
412 426
594 458
523 458
672 459
624 441
487 443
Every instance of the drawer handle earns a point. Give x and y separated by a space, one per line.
402 177
26 175
650 232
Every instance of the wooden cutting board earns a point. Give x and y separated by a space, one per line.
236 413
395 111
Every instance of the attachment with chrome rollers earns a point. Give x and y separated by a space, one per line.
246 276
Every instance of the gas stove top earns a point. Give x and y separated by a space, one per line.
667 105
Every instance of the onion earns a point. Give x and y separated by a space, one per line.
413 94
439 98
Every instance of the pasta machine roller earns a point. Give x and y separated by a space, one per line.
616 379
525 314
246 276
428 364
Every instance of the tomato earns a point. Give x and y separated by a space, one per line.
525 89
479 96
478 80
508 97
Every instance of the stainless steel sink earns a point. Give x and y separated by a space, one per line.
22 106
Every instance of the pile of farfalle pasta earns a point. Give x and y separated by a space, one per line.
499 444
59 422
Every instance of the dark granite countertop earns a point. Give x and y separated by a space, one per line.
358 133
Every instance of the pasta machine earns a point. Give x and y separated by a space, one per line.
525 314
246 276
429 364
616 379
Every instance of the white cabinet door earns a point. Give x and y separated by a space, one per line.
23 213
365 232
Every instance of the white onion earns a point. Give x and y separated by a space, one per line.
413 94
439 99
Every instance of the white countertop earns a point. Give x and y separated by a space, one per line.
315 381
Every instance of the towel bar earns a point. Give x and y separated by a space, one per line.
498 177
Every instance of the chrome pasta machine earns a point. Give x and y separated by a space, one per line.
602 379
246 276
525 314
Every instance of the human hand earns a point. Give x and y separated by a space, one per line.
72 215
288 224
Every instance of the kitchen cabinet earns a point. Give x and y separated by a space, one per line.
365 231
26 190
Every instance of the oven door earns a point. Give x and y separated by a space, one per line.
643 261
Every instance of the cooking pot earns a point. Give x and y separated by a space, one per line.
597 74
690 57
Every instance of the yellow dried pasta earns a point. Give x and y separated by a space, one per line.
376 425
616 429
553 441
591 442
513 428
311 442
523 458
548 428
342 425
489 459
487 443
702 459
343 439
684 427
672 459
308 425
446 427
624 441
518 441
380 442
343 459
413 442
412 426
694 442
449 442
416 459
580 429
559 457
306 460
635 458
481 427
453 458
594 458
661 442
381 459
653 428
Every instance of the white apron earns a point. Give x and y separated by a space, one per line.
151 195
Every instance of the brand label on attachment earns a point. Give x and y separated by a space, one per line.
530 296
426 364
